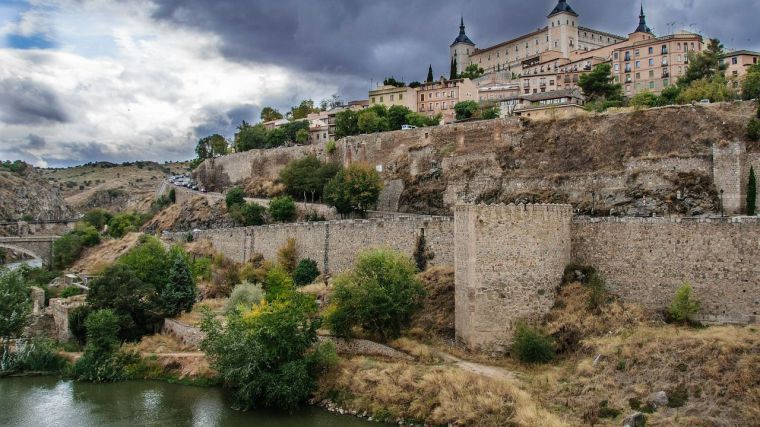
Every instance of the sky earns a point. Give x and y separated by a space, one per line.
125 80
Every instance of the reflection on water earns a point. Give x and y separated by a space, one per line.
34 263
45 401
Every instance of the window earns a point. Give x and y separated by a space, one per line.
422 107
651 50
651 62
666 82
734 60
422 97
651 85
638 64
628 67
400 96
664 49
381 99
373 99
638 76
452 93
391 98
615 56
636 53
651 73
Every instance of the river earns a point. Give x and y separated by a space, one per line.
52 402
34 263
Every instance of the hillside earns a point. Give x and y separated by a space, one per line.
26 195
129 186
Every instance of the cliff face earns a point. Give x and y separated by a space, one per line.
26 195
655 161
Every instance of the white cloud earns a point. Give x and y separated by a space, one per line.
131 87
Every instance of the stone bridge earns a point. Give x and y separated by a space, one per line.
40 247
41 227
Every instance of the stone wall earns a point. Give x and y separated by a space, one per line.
508 261
335 244
644 260
60 309
189 335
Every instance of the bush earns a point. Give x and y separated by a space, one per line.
355 188
70 292
532 346
379 295
753 130
278 283
124 223
38 355
235 196
282 209
330 147
77 319
598 288
15 305
120 290
97 218
684 307
68 248
98 362
305 272
266 354
252 214
466 109
178 294
244 296
287 255
644 99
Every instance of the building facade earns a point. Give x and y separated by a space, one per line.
392 95
737 63
440 97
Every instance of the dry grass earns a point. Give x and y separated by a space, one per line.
194 317
435 320
158 343
97 258
431 394
421 352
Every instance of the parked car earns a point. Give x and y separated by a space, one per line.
408 127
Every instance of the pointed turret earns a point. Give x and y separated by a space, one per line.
562 7
462 37
642 28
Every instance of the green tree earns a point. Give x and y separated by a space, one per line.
466 109
644 99
751 83
414 84
420 120
753 130
249 214
390 81
489 113
355 188
293 128
302 136
598 84
379 294
684 306
396 116
77 326
307 176
716 90
15 308
249 137
211 146
276 138
430 78
453 72
704 65
235 196
305 272
303 109
282 209
119 289
66 250
751 192
99 363
346 124
473 71
123 223
97 218
266 354
268 114
180 292
669 95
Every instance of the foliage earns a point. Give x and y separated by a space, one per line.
669 95
127 297
15 305
302 136
68 248
265 354
489 113
17 166
282 209
178 294
346 124
123 223
379 294
305 272
396 116
598 288
390 81
684 306
268 114
235 196
244 296
453 71
38 355
287 255
278 283
466 109
303 109
716 90
70 291
77 318
421 120
248 214
97 218
644 99
753 130
211 146
532 346
751 192
249 137
598 84
751 83
704 65
307 175
100 363
201 268
473 71
355 188
414 84
330 147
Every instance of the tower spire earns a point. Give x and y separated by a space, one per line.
462 38
642 28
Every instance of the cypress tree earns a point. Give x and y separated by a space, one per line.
453 73
179 294
751 192
430 74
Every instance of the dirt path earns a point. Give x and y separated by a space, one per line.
477 368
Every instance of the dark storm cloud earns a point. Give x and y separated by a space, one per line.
24 102
372 40
225 122
35 142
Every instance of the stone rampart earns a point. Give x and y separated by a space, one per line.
644 260
508 261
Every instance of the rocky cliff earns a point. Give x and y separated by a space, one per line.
26 195
658 161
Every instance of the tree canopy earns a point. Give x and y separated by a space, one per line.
355 188
598 84
307 177
268 114
704 65
211 146
302 110
473 71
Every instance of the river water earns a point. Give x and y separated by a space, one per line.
34 263
51 402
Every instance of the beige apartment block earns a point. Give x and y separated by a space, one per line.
557 104
737 63
392 95
441 96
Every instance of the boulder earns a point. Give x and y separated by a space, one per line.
637 419
658 399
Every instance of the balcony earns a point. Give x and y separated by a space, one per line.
627 57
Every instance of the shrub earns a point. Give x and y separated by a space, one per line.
120 290
266 354
751 192
15 305
244 295
532 346
124 223
235 196
77 319
173 195
282 209
753 130
678 396
305 272
178 294
684 307
66 250
252 214
278 283
70 292
379 295
38 355
466 109
644 99
355 188
97 218
598 288
98 362
330 147
287 255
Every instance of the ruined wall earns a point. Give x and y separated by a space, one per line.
335 244
729 160
508 261
644 260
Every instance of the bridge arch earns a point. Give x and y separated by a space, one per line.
39 247
22 250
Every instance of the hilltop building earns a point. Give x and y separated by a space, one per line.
737 63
